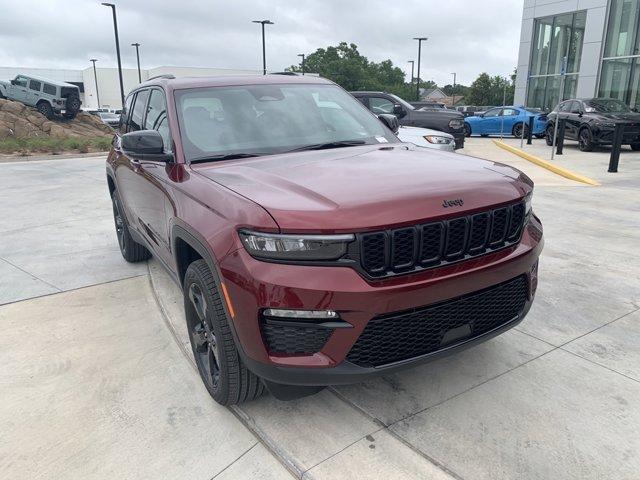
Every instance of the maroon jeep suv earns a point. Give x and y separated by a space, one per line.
312 246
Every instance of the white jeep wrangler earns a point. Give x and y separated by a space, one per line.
48 96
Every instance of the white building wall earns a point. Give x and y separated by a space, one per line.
593 38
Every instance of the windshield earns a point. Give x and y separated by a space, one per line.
271 119
606 105
406 105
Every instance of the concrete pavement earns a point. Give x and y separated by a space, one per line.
554 398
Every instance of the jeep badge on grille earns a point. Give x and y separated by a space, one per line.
458 202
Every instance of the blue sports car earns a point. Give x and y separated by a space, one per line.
508 119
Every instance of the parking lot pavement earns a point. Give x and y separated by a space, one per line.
56 233
553 398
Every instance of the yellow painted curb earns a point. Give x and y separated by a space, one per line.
563 172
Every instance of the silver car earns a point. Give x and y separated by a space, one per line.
48 96
425 137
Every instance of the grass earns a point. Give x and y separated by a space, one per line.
26 146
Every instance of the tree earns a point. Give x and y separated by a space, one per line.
345 65
486 90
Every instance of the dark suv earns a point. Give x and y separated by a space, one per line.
311 245
444 120
592 122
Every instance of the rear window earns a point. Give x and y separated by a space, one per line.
49 89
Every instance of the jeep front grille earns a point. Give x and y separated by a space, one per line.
417 247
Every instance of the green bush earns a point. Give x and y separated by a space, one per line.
25 146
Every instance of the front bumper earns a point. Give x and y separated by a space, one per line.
255 285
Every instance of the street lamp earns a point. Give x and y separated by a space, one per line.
420 40
137 45
412 62
454 89
115 29
302 55
264 56
95 78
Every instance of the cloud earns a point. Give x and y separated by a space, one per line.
465 36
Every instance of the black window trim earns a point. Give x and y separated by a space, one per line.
133 106
167 149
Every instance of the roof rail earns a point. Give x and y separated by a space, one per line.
168 76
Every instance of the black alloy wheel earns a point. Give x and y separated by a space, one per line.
585 141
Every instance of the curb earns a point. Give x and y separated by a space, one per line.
563 172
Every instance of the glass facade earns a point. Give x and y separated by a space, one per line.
554 38
620 72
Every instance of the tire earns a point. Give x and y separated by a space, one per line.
131 250
517 130
221 369
548 135
585 141
73 104
484 135
467 129
539 135
45 109
635 146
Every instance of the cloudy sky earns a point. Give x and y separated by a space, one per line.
465 36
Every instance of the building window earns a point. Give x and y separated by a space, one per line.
620 73
554 38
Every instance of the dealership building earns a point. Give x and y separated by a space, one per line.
105 84
601 41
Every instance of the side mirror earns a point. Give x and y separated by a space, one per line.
390 121
145 145
398 110
634 109
481 115
14 82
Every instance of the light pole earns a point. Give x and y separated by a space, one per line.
264 55
137 45
412 62
420 40
302 55
115 29
95 78
454 89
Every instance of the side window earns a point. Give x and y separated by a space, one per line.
124 115
565 107
494 112
49 89
509 112
137 114
576 107
35 85
157 117
21 81
380 105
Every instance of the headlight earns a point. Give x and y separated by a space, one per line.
295 247
437 139
527 207
455 123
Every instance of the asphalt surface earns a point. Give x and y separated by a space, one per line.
96 380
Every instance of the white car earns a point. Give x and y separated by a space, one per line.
425 137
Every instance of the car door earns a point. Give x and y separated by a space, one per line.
152 178
509 117
19 88
126 167
490 122
32 94
574 119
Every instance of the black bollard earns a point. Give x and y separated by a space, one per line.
615 148
530 132
562 123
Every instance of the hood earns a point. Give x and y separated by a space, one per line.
366 188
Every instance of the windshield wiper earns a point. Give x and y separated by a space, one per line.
324 146
224 156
